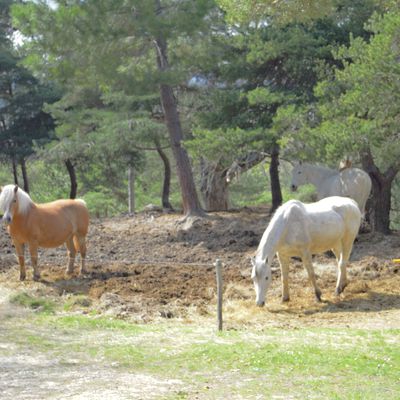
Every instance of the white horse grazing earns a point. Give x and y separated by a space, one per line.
301 230
349 182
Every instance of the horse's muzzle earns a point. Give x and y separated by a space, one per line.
5 219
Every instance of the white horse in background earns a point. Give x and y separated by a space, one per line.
349 182
301 230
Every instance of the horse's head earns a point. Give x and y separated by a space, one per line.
299 176
9 203
261 275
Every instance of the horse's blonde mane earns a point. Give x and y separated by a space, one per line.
7 194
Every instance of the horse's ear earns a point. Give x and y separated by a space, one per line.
15 188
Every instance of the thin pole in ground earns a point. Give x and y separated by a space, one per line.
218 271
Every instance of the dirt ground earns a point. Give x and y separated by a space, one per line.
153 265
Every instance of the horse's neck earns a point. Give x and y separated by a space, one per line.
23 215
317 175
271 237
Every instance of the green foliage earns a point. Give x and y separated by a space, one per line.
261 68
104 55
358 109
251 189
281 11
270 76
48 181
101 203
22 96
221 145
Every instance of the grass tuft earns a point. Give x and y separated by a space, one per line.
34 303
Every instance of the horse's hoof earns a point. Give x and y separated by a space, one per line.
22 278
36 278
340 290
285 299
318 296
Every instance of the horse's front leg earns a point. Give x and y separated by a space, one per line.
284 263
33 250
20 249
307 261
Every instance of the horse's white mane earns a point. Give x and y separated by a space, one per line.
7 194
267 247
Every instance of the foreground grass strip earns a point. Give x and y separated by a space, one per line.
301 363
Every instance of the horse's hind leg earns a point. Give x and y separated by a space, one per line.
307 261
20 249
71 255
343 258
33 249
80 244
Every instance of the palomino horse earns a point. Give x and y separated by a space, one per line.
348 182
44 225
301 230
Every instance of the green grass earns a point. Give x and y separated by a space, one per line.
77 302
87 323
35 303
301 363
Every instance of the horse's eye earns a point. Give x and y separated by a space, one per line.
15 200
299 172
266 278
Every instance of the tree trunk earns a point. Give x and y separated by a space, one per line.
131 190
214 187
190 200
167 179
14 169
379 214
274 177
72 177
381 205
24 174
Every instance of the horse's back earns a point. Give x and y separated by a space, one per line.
350 182
357 185
346 207
68 217
321 225
312 227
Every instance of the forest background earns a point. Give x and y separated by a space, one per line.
197 105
